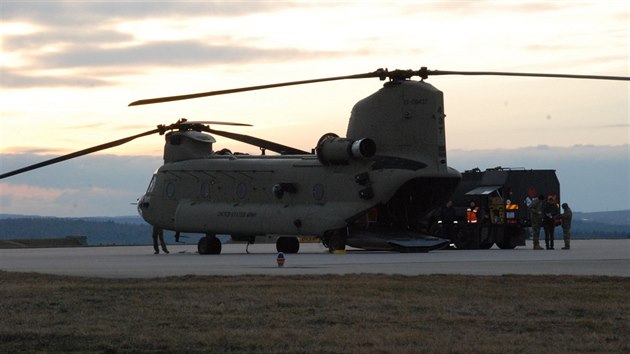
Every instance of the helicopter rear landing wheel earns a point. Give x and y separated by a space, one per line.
336 241
288 245
209 245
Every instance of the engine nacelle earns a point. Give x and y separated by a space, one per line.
339 151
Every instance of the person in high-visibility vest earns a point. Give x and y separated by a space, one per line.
471 213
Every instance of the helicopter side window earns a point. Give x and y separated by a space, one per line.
151 185
169 189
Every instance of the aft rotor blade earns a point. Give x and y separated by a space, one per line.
80 153
262 143
381 74
376 73
499 73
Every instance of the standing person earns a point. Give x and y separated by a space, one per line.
550 211
447 215
566 217
158 234
536 217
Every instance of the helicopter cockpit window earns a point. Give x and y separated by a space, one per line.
151 185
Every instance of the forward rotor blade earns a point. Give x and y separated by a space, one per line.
499 73
376 73
81 153
262 143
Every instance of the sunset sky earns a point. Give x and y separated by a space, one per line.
70 68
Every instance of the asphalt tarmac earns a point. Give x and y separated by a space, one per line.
586 257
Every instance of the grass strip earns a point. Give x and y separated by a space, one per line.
315 314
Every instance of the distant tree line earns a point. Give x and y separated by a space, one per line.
97 232
110 232
588 229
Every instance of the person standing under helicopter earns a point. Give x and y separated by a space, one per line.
159 234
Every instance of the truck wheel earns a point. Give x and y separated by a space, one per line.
507 244
486 245
460 240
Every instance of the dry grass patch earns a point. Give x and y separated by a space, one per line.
315 314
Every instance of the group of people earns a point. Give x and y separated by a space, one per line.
544 213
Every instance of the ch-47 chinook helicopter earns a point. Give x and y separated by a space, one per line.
369 189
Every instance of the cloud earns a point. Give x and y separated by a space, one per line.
87 35
27 152
25 192
16 79
120 61
171 53
81 201
473 8
86 186
103 50
105 171
62 50
60 37
76 14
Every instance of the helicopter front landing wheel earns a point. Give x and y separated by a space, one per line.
288 244
209 245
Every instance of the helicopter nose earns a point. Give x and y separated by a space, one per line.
143 203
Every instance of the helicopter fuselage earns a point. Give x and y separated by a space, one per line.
245 196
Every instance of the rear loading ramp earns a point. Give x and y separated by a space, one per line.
400 241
